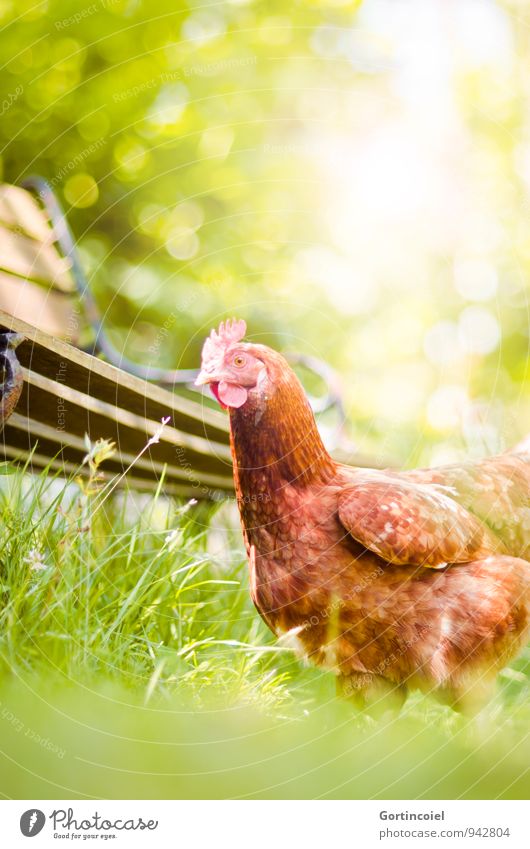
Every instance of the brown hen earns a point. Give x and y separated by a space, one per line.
392 580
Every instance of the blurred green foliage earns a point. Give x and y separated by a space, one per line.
351 178
101 741
154 127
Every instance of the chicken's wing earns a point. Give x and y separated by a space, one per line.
410 523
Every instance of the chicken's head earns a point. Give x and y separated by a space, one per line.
230 367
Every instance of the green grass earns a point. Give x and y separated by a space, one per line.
133 664
128 591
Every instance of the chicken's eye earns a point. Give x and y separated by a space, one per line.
239 360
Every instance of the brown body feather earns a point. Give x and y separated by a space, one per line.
346 579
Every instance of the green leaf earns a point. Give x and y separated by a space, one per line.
7 469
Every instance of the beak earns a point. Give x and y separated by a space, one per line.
203 378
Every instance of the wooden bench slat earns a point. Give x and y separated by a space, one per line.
40 461
97 398
82 414
49 309
21 212
25 257
22 432
65 364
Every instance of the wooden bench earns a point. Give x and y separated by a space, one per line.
66 393
52 394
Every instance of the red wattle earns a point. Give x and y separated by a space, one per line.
215 392
231 394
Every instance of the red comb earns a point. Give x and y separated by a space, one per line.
229 332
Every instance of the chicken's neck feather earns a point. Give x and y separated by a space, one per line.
274 436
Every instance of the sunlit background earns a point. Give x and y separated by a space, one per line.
352 178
